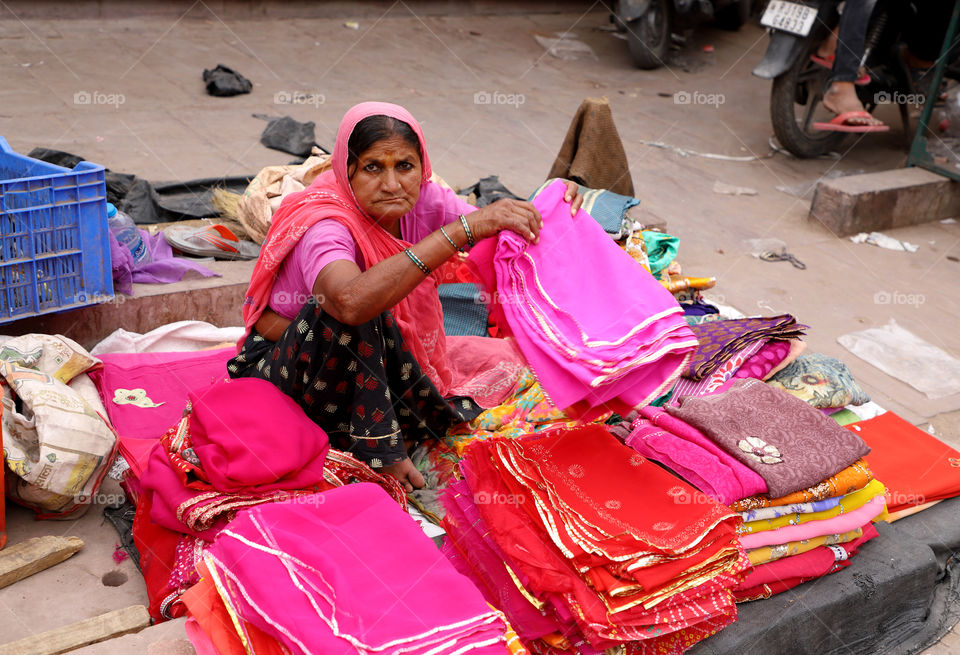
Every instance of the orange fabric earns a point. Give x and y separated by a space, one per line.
854 477
206 607
916 467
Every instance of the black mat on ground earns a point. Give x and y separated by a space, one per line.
898 596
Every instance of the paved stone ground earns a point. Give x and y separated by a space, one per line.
148 114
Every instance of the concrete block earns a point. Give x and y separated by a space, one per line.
884 200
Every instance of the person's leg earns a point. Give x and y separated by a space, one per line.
359 383
841 95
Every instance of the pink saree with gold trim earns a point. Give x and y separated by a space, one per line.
596 328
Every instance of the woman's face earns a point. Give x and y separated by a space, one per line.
386 180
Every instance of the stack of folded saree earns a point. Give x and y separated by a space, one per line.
820 497
343 571
562 300
221 457
720 340
586 545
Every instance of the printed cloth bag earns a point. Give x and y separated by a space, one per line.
56 445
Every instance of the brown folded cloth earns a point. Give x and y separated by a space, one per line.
592 153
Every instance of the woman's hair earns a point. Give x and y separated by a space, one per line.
376 128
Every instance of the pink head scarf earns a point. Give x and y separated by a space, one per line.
419 315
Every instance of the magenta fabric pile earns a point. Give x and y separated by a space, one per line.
349 572
693 456
564 301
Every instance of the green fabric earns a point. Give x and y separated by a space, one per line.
845 417
706 318
661 249
662 400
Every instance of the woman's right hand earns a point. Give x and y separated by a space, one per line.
517 216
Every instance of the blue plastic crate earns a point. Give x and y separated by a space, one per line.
54 245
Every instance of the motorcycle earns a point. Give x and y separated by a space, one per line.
649 23
797 28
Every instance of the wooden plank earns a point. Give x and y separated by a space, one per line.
34 555
82 633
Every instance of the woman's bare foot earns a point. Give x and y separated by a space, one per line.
406 473
841 98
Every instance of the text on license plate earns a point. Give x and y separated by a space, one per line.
789 16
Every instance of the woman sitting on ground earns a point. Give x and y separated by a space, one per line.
343 315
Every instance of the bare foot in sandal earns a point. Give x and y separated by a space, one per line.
841 98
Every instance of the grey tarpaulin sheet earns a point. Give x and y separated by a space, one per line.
899 595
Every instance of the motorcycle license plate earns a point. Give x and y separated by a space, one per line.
790 17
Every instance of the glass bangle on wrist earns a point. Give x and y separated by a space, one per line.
417 261
466 228
449 240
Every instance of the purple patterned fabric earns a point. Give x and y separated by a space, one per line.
719 340
786 441
713 382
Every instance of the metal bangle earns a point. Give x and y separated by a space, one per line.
466 228
449 240
417 261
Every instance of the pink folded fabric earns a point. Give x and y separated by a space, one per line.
145 393
759 365
242 450
349 572
811 564
697 466
837 525
563 301
472 552
736 477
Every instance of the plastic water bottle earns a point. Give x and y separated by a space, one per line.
127 234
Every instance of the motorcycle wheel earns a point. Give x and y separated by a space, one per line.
649 36
796 103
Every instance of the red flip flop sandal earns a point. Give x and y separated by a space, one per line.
840 124
827 62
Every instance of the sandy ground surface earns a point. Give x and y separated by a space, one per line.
128 94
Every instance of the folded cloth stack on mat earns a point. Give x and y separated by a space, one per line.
221 457
591 353
816 483
316 577
610 549
719 340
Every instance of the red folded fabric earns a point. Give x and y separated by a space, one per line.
916 467
782 574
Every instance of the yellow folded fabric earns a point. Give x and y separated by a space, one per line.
766 554
848 503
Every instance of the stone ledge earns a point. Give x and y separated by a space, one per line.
216 300
884 200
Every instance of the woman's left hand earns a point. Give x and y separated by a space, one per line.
573 196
